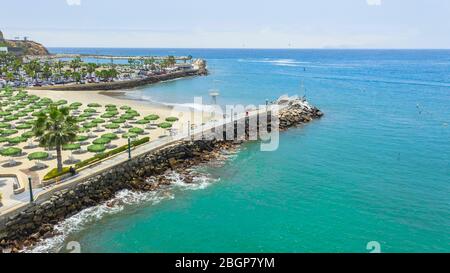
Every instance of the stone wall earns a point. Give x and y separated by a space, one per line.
298 112
123 84
37 221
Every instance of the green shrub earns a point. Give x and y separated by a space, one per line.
54 173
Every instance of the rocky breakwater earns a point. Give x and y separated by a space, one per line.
298 111
144 173
37 221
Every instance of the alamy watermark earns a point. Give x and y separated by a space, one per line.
232 122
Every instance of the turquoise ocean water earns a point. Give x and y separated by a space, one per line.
375 168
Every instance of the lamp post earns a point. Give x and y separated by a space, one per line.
129 148
31 190
189 128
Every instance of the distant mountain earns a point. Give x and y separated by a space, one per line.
23 47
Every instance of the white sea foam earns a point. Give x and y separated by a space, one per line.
122 200
279 62
199 181
81 220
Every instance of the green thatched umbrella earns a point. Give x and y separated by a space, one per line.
112 112
76 104
85 115
11 151
171 119
83 130
112 126
143 121
102 141
82 138
28 134
28 110
20 114
165 125
71 147
134 114
118 121
90 110
17 140
129 135
96 148
94 105
110 106
4 125
152 117
10 118
3 139
61 102
110 136
24 126
81 119
136 130
89 125
98 121
107 115
125 107
5 113
9 132
127 116
38 156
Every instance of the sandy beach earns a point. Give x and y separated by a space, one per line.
145 108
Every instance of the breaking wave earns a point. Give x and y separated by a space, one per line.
123 200
278 62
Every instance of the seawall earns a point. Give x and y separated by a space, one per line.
37 221
125 84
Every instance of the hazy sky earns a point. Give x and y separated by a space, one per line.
230 23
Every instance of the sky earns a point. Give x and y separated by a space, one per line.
230 23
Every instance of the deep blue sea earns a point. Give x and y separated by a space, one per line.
376 167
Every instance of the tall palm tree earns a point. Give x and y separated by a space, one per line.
75 64
91 67
56 129
59 65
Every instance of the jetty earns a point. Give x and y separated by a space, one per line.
23 220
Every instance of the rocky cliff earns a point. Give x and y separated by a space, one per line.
26 48
23 47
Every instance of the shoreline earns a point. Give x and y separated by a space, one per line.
127 84
182 174
38 222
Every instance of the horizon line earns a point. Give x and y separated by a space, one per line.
255 48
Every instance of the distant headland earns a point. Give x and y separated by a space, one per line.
22 47
27 64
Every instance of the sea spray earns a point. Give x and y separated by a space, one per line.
126 201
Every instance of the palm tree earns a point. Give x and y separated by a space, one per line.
75 64
91 67
56 129
59 65
47 71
